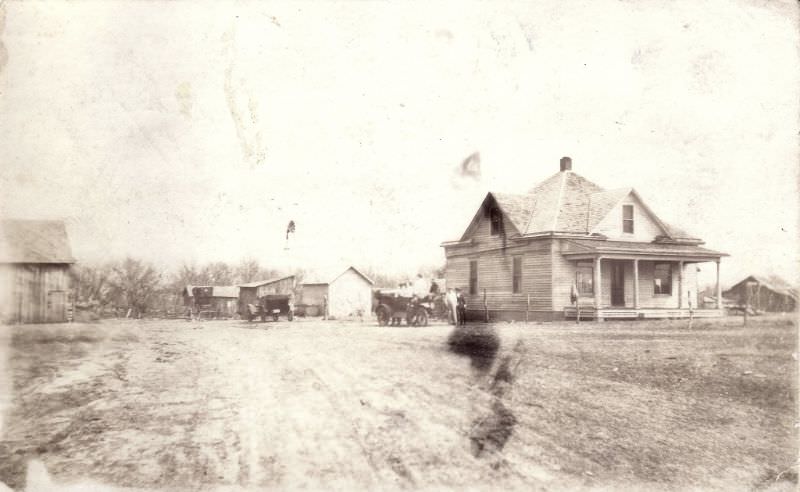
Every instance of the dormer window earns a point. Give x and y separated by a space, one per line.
496 219
627 219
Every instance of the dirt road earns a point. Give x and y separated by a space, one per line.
175 404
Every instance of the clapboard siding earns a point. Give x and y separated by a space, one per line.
494 256
34 293
563 278
645 229
350 294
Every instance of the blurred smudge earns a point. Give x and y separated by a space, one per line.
478 342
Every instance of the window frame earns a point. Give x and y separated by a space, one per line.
626 221
473 277
657 286
578 284
495 221
516 275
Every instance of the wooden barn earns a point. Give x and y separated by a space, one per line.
211 301
250 292
568 240
767 294
348 291
35 257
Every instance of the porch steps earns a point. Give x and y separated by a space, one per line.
591 313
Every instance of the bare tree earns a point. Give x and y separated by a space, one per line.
91 284
134 284
217 273
248 270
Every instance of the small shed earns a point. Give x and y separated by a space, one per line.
217 300
250 292
761 293
348 291
35 257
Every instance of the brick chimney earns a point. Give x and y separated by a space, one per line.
566 164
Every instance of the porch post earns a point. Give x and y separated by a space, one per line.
680 284
636 284
598 286
719 288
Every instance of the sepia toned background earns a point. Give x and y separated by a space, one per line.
176 132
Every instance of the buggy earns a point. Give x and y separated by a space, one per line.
273 305
392 308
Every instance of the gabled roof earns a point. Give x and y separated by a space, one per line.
325 276
774 283
259 283
34 241
567 203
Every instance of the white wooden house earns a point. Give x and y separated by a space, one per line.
570 235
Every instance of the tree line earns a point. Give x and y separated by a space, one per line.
136 287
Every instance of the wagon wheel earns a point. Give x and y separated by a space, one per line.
421 319
384 316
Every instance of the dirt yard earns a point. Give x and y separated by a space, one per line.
334 405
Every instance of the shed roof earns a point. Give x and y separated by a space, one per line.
602 246
259 283
325 276
773 282
568 203
34 241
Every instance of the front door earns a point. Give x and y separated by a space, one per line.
617 283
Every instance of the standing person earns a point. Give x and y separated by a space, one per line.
462 308
420 287
325 307
452 304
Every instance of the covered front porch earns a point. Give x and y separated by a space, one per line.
617 280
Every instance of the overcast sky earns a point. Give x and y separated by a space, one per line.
183 132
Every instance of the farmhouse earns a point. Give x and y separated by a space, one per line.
35 257
216 301
567 240
249 293
770 294
348 291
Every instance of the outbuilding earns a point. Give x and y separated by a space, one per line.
35 257
211 300
769 294
345 292
250 292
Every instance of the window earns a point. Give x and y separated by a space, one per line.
627 219
496 219
517 281
473 277
662 279
584 278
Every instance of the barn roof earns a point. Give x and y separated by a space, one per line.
324 276
34 241
259 283
568 203
773 282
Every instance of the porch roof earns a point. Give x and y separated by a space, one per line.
598 247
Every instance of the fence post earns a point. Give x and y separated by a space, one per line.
527 308
485 308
